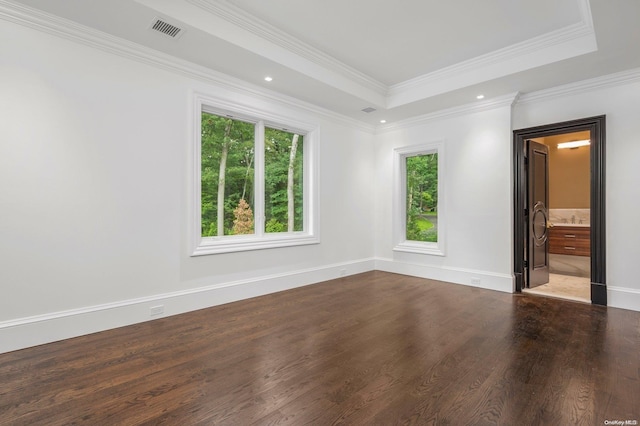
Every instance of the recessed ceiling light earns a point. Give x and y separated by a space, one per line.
480 97
383 121
267 78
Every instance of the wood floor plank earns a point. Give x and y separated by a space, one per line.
370 349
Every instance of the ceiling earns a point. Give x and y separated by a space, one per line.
403 58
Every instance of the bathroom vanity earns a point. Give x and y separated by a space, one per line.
570 239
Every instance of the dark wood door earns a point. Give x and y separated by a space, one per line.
598 135
538 194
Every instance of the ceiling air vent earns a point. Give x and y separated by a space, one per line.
166 28
368 110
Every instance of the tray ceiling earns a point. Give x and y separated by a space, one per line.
401 58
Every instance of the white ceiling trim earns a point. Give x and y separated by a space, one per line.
225 22
236 26
617 79
239 17
497 102
69 30
565 43
573 40
33 18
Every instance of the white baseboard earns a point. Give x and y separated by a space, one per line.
37 330
32 331
469 277
623 298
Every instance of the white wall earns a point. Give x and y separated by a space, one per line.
94 183
621 104
477 199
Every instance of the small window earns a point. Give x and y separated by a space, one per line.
418 214
422 197
254 183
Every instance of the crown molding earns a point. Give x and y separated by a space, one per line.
264 30
223 21
69 30
510 52
574 40
250 32
612 80
44 22
489 104
585 13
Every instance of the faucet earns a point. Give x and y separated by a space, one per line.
573 219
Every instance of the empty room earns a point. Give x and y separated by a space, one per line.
234 212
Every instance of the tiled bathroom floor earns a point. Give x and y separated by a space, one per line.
565 287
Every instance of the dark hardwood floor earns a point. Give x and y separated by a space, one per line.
371 349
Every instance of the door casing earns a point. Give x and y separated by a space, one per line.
597 129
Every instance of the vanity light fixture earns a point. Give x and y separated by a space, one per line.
267 78
383 121
480 97
574 144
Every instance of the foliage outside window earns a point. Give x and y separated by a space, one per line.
422 197
283 181
418 215
227 180
254 183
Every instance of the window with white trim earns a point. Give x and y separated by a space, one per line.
418 199
254 180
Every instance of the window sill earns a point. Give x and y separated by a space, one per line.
231 244
419 248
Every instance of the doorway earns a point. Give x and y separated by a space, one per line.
559 230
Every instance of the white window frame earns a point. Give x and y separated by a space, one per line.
260 239
399 216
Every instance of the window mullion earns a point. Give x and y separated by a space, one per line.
259 213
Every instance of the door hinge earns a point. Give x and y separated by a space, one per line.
526 212
526 264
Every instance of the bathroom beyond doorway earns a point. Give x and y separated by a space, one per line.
568 224
579 231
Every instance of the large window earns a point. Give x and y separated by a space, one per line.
254 181
418 199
